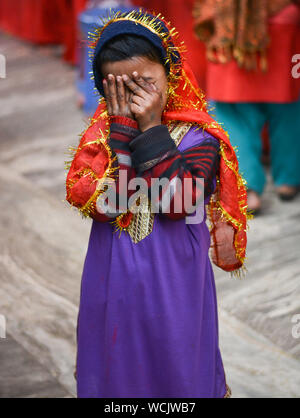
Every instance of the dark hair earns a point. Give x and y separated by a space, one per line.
124 47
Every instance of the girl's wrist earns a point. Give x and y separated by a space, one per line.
145 127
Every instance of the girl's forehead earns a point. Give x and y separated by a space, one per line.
142 65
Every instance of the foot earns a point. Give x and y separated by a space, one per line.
287 193
254 202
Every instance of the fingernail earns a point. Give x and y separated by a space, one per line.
119 78
135 74
124 76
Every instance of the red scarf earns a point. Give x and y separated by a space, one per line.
228 205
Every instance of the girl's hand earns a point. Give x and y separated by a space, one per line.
147 102
117 97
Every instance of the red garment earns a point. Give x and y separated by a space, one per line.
36 21
70 12
9 19
229 83
289 15
179 12
43 21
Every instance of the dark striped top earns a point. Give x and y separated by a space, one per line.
154 157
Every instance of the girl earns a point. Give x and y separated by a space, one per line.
147 324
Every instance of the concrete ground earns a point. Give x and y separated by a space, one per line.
43 244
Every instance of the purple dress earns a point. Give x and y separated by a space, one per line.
148 322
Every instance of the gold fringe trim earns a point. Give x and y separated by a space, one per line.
118 224
90 206
174 51
198 92
242 201
151 23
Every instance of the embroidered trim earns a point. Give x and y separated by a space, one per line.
142 222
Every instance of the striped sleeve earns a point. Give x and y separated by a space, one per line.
157 159
122 131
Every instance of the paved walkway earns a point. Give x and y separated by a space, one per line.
43 244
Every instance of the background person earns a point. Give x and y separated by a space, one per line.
250 45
